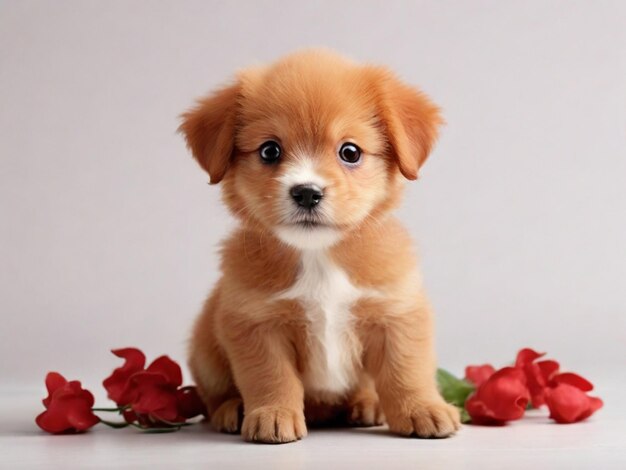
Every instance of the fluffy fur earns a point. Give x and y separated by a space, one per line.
319 316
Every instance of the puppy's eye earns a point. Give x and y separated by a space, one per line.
350 153
270 152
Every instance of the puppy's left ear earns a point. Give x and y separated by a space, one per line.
411 121
209 129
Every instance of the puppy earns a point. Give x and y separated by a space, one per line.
319 316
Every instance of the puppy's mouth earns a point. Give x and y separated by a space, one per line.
308 220
308 231
309 224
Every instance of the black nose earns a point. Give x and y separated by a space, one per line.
306 195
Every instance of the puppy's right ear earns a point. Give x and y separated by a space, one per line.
209 129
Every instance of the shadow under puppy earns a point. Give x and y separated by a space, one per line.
320 312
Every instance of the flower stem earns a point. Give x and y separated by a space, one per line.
155 430
107 409
113 425
175 424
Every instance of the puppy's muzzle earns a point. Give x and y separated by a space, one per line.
306 195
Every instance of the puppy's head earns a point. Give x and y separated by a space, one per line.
312 146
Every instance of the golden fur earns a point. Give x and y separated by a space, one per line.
254 346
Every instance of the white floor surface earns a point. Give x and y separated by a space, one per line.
533 443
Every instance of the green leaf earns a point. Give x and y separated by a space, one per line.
465 417
453 390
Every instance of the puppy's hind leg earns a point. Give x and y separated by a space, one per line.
211 372
363 406
359 408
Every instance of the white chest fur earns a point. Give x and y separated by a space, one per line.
327 295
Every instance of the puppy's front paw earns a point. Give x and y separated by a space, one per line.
366 412
274 425
427 420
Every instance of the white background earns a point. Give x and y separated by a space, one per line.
109 230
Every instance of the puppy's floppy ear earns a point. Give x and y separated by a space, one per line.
411 121
209 129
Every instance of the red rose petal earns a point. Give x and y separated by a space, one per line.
80 416
152 398
569 404
537 374
167 367
548 368
129 416
574 380
52 422
138 382
503 397
595 404
190 404
54 381
479 374
116 382
480 413
526 356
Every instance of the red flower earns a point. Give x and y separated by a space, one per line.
479 374
151 397
116 382
68 406
503 397
569 403
189 403
152 393
538 374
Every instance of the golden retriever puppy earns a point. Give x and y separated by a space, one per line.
320 315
